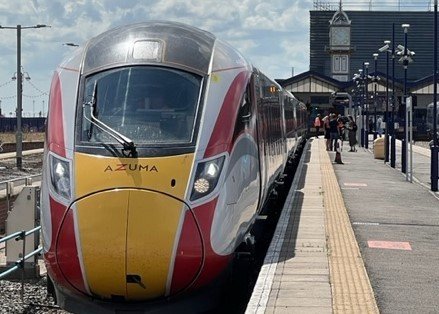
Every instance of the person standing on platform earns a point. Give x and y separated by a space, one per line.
379 126
326 130
317 124
333 131
341 127
352 134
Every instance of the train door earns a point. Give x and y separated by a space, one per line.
284 149
260 134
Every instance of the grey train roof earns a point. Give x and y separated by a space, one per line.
175 44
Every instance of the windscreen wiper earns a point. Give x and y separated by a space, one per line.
127 143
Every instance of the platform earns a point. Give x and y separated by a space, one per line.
353 238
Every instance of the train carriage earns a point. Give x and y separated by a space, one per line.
163 143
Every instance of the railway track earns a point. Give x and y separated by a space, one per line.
32 164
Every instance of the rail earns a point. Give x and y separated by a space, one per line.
19 264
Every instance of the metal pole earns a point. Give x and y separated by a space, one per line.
406 133
19 134
363 106
393 140
375 56
404 141
411 141
366 135
23 238
386 136
434 147
19 109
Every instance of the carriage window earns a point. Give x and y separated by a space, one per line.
149 105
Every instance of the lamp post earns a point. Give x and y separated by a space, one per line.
358 100
405 59
434 147
393 140
375 80
363 102
386 136
366 105
386 48
18 134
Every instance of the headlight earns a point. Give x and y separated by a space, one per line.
60 176
206 177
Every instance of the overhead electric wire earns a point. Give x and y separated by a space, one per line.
42 93
36 88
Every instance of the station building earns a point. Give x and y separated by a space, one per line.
341 42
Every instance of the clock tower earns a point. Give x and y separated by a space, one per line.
340 44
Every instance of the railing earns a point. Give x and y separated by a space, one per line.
19 264
8 187
5 183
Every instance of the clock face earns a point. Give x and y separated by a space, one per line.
340 36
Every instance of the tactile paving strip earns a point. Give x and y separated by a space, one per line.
351 289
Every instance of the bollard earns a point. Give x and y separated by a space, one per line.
338 149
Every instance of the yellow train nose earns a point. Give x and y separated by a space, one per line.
127 238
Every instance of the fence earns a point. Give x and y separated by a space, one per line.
19 264
23 216
8 193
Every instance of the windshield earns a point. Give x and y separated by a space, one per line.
149 105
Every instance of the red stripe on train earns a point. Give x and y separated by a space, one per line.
62 259
55 130
222 135
186 267
189 256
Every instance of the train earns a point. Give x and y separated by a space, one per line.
163 143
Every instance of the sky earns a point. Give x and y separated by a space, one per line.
272 34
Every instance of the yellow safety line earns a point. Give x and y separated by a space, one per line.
351 289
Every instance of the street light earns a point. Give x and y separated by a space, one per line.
24 75
375 80
386 48
358 79
19 135
366 105
361 71
393 139
405 59
434 147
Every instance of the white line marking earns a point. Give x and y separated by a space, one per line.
261 291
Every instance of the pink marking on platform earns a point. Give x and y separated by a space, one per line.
355 184
391 245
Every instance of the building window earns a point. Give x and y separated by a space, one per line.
340 64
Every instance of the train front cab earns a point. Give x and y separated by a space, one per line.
112 202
